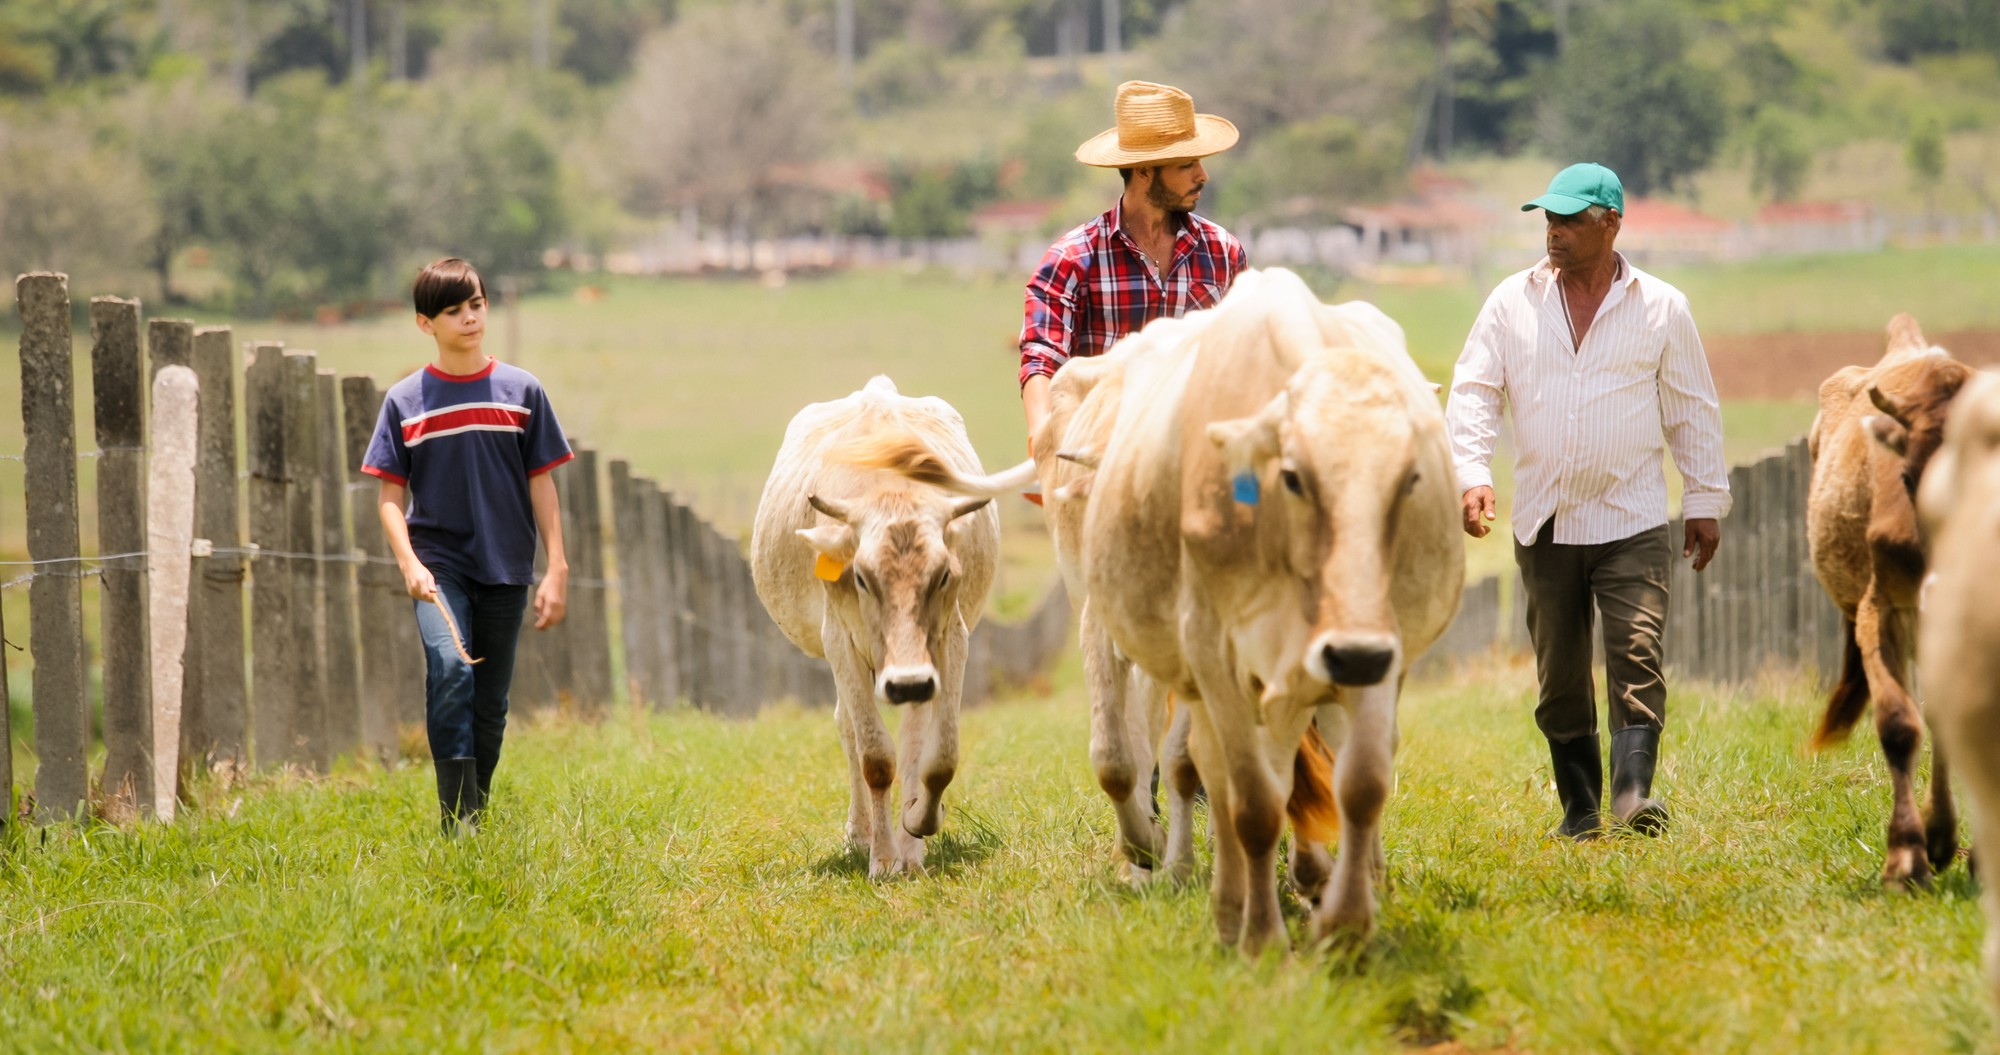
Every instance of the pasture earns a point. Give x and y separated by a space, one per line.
678 882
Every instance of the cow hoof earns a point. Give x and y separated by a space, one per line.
1906 870
1137 877
1941 847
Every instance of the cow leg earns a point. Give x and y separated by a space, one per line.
874 748
909 845
928 770
1941 820
1110 678
1361 775
857 789
1231 874
1884 641
1182 781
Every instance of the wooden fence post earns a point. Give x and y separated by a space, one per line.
170 500
302 531
343 652
632 625
48 425
591 603
273 716
119 387
662 618
215 705
382 603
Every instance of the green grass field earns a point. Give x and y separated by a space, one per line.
678 882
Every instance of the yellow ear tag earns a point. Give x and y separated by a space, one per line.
827 568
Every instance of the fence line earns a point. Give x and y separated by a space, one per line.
1758 604
332 650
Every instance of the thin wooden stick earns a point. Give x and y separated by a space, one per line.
457 639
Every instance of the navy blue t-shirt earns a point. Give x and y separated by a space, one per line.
465 445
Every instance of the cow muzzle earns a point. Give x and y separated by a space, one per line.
1351 659
907 684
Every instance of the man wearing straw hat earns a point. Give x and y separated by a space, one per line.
1150 256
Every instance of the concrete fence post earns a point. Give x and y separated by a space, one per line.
170 498
215 721
118 386
276 698
48 425
343 651
381 603
312 746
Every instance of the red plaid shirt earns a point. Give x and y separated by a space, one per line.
1093 287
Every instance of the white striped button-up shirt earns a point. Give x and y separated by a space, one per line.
1591 424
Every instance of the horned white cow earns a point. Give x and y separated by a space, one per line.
1129 729
1272 532
1958 503
885 578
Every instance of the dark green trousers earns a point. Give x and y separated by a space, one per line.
1626 580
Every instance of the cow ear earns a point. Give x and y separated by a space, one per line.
832 540
1886 431
1887 404
1246 443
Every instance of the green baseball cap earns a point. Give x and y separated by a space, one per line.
1579 187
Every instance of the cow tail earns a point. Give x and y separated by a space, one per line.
1315 816
1850 693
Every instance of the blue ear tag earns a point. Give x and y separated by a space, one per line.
1245 489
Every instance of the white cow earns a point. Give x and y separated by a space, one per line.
884 577
1272 532
1129 728
1958 504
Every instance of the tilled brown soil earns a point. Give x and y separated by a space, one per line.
1791 365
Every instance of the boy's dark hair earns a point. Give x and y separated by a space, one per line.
443 283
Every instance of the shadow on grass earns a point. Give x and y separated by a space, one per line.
967 839
1428 998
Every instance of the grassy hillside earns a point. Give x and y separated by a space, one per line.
678 883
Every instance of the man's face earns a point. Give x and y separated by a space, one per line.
1176 185
1577 240
460 327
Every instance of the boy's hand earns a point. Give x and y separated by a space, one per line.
552 598
419 581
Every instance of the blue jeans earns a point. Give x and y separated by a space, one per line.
465 706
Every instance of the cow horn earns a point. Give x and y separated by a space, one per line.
828 506
1887 404
1087 459
968 505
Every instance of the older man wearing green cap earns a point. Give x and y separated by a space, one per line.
1605 374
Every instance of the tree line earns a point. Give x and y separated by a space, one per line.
265 154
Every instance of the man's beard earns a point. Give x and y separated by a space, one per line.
1167 201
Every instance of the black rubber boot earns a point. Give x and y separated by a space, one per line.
1579 771
1633 751
458 794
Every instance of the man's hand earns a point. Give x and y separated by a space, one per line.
419 581
1476 508
1703 535
552 598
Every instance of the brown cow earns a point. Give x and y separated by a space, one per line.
1959 503
1876 430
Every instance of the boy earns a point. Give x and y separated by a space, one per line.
470 443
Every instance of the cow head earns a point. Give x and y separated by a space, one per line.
898 585
1337 450
1915 397
1964 471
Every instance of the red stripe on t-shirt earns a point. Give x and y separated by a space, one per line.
415 431
386 475
567 455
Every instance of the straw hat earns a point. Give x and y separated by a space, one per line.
1155 123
